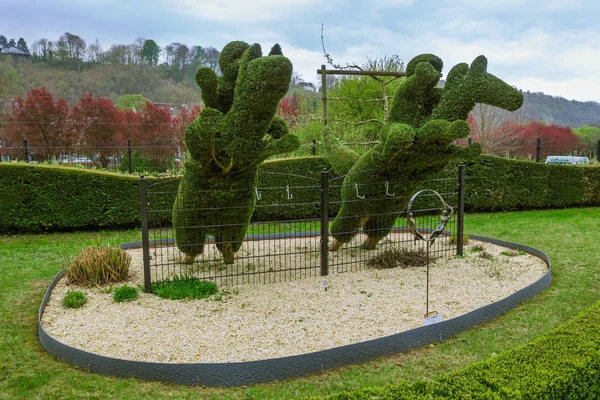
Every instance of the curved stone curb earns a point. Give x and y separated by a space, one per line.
277 369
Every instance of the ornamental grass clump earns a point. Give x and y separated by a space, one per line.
74 299
98 265
403 258
125 293
182 287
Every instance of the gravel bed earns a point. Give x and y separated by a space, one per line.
254 322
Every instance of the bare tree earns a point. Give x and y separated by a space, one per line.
95 51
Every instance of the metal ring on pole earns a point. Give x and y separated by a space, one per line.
412 226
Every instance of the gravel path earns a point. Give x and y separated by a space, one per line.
253 322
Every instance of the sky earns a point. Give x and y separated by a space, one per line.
550 46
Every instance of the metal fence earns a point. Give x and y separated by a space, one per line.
277 249
126 159
537 150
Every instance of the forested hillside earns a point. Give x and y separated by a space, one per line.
560 111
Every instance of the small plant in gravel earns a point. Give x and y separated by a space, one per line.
477 248
74 299
99 265
182 287
485 255
510 253
402 257
453 239
125 293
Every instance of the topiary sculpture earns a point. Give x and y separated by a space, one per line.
236 131
416 143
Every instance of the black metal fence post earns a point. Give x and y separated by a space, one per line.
27 151
129 157
538 149
323 72
324 222
469 141
145 235
598 151
460 224
314 147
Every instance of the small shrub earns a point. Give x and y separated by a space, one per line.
124 293
510 253
184 287
74 299
402 257
485 255
99 265
477 248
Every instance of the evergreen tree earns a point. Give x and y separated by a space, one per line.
11 43
22 45
150 52
3 41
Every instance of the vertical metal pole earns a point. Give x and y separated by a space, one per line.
27 152
598 151
469 141
460 228
324 93
145 236
427 300
324 222
314 147
129 156
538 149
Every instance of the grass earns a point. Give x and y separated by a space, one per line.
74 299
180 288
125 293
570 237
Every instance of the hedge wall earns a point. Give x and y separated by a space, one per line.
40 197
564 364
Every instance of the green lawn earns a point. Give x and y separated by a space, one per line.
28 262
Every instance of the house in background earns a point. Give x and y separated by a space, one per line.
13 51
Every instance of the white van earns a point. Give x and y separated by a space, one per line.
567 160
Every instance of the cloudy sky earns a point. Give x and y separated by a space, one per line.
550 46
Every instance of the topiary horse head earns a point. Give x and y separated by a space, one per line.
416 143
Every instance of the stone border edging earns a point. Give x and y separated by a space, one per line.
277 369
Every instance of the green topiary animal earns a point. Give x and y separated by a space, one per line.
416 143
236 131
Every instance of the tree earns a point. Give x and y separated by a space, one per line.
100 125
150 52
156 126
43 49
22 45
43 122
212 59
588 134
3 41
133 102
71 47
95 51
180 122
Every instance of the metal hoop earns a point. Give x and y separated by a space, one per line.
412 226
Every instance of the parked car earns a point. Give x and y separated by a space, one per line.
567 160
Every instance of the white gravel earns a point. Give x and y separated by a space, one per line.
253 322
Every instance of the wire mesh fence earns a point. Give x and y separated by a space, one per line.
219 243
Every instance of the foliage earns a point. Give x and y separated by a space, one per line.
49 198
184 287
131 101
74 299
564 364
417 143
150 52
100 126
42 121
235 133
124 293
400 257
560 111
98 265
588 134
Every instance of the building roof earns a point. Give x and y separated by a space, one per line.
14 50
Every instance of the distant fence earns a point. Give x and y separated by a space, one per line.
126 159
276 250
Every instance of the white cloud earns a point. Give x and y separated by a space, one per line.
240 11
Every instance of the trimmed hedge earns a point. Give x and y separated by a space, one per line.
35 197
564 364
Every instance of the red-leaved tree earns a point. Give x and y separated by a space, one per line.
182 121
554 139
43 122
100 125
